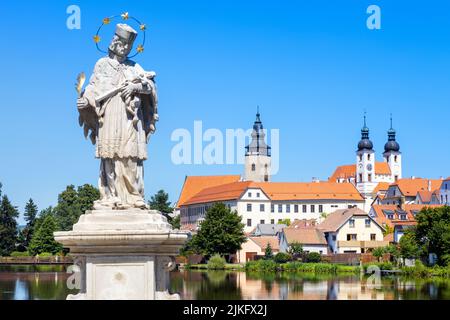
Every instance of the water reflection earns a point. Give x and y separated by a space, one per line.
49 282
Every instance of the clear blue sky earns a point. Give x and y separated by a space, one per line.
312 67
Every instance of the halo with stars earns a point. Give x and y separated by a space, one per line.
125 17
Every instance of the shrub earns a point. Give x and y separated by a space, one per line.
313 257
45 255
216 262
282 257
261 265
19 254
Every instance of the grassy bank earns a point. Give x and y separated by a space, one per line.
318 268
227 266
417 271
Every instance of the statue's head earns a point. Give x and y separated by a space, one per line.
123 39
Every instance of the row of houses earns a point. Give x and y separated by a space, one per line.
343 231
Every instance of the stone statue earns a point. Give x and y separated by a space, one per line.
119 109
122 249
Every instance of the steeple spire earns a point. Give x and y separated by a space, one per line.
391 145
257 143
365 143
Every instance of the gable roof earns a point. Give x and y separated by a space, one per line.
381 213
268 229
334 221
425 195
381 187
278 191
304 236
410 186
194 184
303 223
349 171
264 240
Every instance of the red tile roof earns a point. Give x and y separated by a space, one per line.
304 236
349 171
264 240
381 216
409 187
278 191
194 184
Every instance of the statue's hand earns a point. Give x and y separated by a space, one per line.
131 89
82 102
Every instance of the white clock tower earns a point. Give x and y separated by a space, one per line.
365 166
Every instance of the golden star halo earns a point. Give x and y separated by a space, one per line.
97 38
124 16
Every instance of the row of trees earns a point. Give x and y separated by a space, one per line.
36 237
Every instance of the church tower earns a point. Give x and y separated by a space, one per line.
257 155
392 155
365 165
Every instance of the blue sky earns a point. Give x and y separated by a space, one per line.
313 68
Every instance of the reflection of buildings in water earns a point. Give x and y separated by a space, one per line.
353 289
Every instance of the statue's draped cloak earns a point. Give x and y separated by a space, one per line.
117 136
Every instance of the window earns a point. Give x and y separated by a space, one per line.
370 177
334 237
272 221
258 194
351 237
272 208
360 177
262 221
249 222
288 208
253 167
390 216
249 194
249 207
261 207
368 157
396 178
367 223
313 208
403 217
360 157
296 208
280 208
304 208
320 208
373 237
351 223
395 158
266 178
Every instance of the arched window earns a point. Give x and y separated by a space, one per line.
368 157
395 158
253 167
360 157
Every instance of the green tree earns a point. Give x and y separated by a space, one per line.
432 232
221 232
388 230
43 240
72 203
268 253
8 226
295 248
378 253
30 214
285 221
409 248
160 201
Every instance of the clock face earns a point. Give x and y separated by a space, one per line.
369 167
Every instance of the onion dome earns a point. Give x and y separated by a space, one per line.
365 143
391 145
257 144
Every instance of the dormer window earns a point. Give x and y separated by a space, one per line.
249 194
403 217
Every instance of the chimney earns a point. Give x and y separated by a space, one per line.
429 185
413 177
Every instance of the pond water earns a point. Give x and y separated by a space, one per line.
49 282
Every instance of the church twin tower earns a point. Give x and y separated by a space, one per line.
368 172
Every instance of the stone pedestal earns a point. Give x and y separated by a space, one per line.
123 254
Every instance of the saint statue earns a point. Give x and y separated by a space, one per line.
119 109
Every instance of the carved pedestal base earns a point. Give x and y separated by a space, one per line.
123 254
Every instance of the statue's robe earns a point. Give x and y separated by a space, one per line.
120 144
